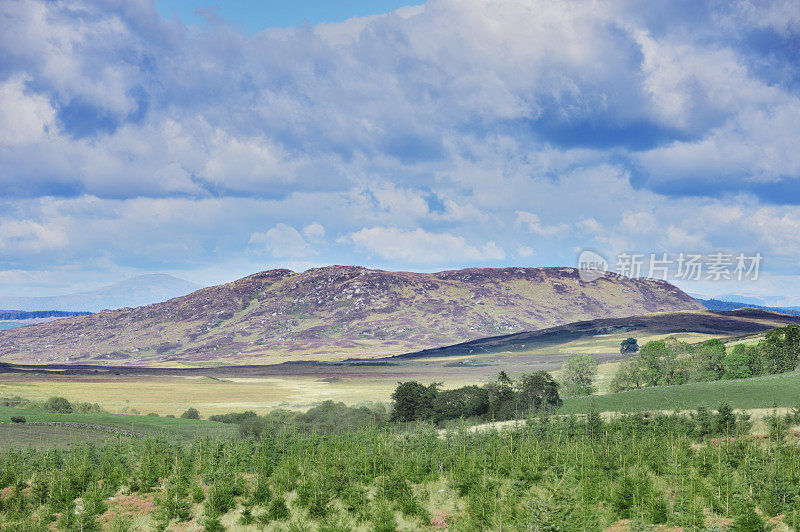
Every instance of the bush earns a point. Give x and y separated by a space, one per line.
277 511
192 413
17 419
58 405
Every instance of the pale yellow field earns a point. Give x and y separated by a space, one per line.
173 395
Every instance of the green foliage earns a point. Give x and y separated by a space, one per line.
670 361
628 346
413 401
578 374
277 510
748 521
725 420
58 405
552 473
191 413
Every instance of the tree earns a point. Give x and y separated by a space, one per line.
737 363
710 361
192 413
467 401
725 420
59 405
501 397
537 391
628 346
780 349
657 363
413 401
628 376
578 375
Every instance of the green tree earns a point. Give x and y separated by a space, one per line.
709 361
59 405
501 397
413 401
725 419
657 363
780 349
628 346
737 363
628 376
192 413
578 375
537 391
467 401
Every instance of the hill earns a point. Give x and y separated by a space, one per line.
133 292
607 333
338 311
718 304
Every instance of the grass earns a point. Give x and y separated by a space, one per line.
46 437
174 394
149 425
756 393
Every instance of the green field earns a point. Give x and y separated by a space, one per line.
47 437
147 425
756 393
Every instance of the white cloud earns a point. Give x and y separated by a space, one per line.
421 247
525 251
283 241
531 223
24 117
314 231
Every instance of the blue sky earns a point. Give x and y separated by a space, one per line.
152 137
256 15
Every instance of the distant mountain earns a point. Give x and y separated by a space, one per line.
338 312
716 304
134 292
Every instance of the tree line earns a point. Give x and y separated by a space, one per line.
671 361
503 398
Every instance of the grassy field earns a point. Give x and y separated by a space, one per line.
173 395
756 393
46 437
152 426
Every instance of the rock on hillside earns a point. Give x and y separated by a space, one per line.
337 312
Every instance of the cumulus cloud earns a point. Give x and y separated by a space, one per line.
422 246
531 223
283 241
440 134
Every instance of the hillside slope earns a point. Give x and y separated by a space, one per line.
133 292
719 324
337 312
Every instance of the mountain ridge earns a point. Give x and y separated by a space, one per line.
133 292
337 312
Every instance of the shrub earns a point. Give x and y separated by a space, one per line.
17 419
277 510
58 405
749 521
192 413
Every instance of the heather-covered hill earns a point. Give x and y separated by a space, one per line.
337 312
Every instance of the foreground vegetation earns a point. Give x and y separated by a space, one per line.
553 473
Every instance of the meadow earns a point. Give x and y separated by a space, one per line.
755 393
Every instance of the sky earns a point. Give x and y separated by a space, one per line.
214 142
